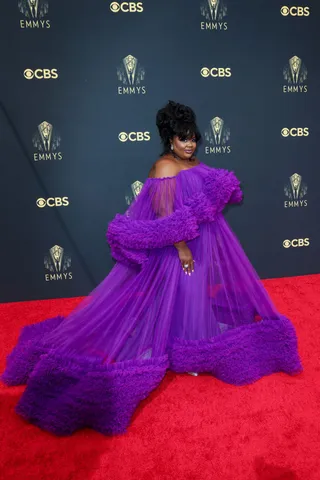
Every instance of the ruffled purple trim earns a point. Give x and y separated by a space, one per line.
28 350
67 392
147 234
243 355
130 240
222 187
202 208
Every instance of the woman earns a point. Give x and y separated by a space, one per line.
182 296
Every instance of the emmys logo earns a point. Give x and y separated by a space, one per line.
52 202
135 189
215 72
34 11
295 74
214 11
131 75
40 74
134 136
126 7
218 136
295 11
58 263
295 190
295 132
47 141
296 242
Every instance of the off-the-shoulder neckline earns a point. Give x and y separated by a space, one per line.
174 176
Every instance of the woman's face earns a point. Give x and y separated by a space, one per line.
184 148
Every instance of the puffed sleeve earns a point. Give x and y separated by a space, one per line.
157 218
161 216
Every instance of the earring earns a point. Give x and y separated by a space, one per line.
171 146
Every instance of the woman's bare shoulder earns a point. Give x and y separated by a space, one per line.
164 167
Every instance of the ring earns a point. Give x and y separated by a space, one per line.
186 265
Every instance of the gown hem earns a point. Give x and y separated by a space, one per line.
66 392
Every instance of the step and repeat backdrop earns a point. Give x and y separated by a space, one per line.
81 83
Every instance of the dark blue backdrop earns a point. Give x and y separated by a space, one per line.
76 135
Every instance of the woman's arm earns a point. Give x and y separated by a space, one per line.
167 168
161 169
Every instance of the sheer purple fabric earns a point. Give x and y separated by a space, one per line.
92 368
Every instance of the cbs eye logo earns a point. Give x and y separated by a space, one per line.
134 136
215 72
295 132
52 202
40 73
296 242
295 11
126 7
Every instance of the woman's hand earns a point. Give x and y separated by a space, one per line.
186 258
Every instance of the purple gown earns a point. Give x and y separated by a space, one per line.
93 367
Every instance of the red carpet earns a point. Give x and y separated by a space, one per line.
190 428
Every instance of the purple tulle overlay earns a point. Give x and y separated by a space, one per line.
93 367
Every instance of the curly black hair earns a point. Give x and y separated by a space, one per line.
176 119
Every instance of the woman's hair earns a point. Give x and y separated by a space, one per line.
176 119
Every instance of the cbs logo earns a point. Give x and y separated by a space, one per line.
40 73
53 202
296 242
295 132
126 7
295 11
134 136
215 72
